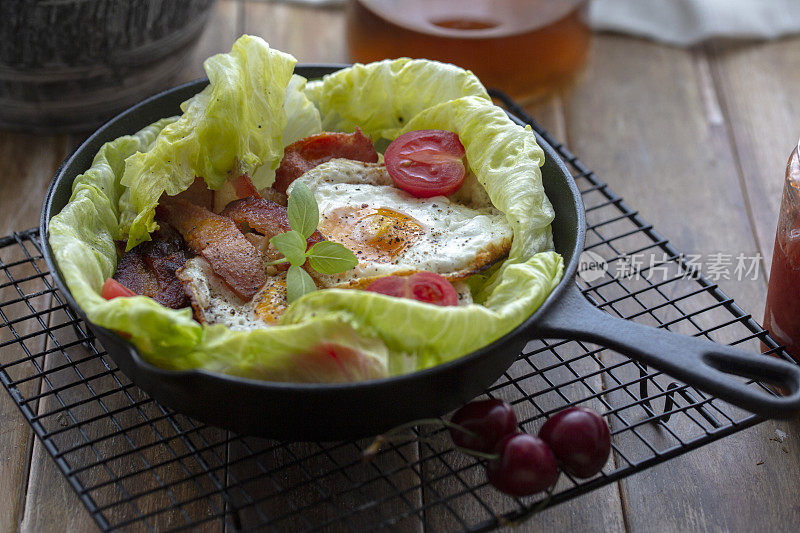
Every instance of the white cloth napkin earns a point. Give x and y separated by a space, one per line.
686 22
325 3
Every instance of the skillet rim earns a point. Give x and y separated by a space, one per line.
232 380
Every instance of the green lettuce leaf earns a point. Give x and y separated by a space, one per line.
382 97
233 126
434 334
302 116
82 236
505 159
302 120
285 353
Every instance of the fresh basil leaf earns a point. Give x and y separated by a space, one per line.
303 211
328 257
298 283
292 245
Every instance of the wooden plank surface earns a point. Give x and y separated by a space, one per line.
312 35
758 89
26 164
694 139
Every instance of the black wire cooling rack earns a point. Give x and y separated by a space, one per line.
137 465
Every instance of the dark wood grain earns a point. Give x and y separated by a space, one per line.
311 35
758 86
26 164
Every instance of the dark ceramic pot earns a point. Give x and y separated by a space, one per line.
70 65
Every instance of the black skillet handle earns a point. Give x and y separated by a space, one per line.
697 362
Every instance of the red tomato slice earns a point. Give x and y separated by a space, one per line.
114 289
333 362
423 286
426 163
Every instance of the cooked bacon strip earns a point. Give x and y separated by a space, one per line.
198 194
264 216
233 189
149 269
303 155
218 239
268 253
133 273
278 197
244 187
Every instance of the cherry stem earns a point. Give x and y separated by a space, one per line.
524 517
371 450
475 453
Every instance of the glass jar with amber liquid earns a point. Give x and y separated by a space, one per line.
782 312
527 48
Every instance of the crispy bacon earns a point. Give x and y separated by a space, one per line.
278 197
264 216
268 219
217 238
303 155
149 269
198 194
244 187
233 189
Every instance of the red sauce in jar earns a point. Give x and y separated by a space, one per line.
782 311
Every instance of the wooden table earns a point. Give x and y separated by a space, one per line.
696 139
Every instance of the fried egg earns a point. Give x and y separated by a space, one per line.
390 231
215 303
393 232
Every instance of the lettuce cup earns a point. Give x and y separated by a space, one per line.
254 106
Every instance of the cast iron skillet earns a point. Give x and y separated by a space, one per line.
296 411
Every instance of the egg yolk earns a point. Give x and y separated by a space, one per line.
373 234
270 300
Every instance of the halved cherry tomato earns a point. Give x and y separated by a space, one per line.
426 163
114 289
423 286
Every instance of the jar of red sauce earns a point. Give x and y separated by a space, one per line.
782 312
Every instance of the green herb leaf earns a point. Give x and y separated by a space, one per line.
292 245
331 258
303 211
298 283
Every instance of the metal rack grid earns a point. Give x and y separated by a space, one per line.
136 464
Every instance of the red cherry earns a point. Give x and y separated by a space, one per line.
489 420
580 439
525 465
